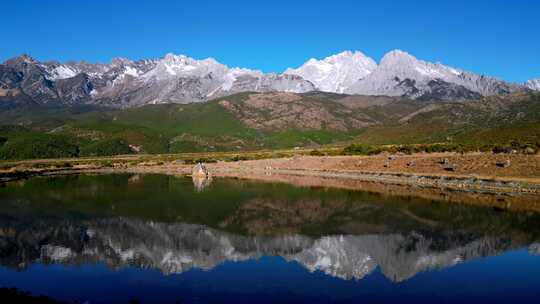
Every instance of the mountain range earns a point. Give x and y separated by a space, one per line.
125 83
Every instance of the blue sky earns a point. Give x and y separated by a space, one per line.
494 37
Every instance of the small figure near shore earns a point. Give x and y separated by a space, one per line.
200 170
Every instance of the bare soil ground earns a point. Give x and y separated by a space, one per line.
511 167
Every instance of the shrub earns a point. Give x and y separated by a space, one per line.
501 149
357 149
316 153
408 149
107 164
106 147
38 146
239 158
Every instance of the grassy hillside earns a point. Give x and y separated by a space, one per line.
251 121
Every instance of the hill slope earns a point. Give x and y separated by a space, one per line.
252 121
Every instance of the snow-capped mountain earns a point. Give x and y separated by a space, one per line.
398 74
125 83
336 73
181 79
533 84
401 74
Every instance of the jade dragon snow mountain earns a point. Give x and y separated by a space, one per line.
180 79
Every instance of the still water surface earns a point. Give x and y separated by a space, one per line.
157 238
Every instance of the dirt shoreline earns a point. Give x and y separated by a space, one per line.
475 178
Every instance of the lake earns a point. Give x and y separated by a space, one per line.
164 239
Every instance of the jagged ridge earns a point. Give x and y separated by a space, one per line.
181 79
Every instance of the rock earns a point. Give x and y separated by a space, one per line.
199 170
201 182
529 151
135 148
134 179
200 176
534 249
503 164
444 161
450 167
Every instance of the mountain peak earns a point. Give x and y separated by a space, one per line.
533 84
345 55
27 58
121 61
24 58
397 56
171 57
336 72
183 60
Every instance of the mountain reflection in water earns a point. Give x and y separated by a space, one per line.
169 224
175 248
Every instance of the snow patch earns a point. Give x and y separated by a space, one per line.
131 71
56 253
63 72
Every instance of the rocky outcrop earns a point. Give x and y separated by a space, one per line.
200 170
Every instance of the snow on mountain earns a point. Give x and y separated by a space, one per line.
401 74
182 79
182 66
205 79
398 73
62 72
335 73
533 84
233 74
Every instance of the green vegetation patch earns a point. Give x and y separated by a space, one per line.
107 147
38 145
